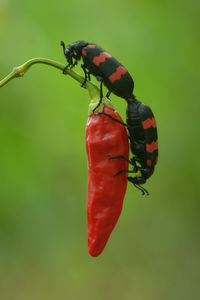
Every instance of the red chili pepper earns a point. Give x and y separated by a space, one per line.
105 138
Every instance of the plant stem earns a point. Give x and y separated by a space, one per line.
21 70
93 90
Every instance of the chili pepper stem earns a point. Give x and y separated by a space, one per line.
94 93
93 90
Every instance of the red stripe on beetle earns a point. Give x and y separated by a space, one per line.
117 74
97 60
151 147
149 123
91 46
149 163
84 52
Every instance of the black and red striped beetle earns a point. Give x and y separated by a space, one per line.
102 65
141 126
142 133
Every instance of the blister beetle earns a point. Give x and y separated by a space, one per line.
142 133
141 125
102 65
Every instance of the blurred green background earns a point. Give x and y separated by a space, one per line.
154 251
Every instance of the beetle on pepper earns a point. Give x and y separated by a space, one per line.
141 125
142 133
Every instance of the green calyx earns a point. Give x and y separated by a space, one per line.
94 93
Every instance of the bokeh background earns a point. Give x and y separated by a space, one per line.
154 251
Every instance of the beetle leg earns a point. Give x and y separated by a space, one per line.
108 94
101 90
124 171
121 156
65 68
75 63
131 162
87 76
101 96
135 169
137 181
105 114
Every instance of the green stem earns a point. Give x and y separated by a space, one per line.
93 90
21 70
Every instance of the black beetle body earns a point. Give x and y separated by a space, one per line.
102 65
142 132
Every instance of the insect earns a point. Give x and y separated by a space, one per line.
142 133
102 65
141 125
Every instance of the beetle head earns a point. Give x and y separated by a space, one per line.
73 51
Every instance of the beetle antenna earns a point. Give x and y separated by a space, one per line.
142 189
63 45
